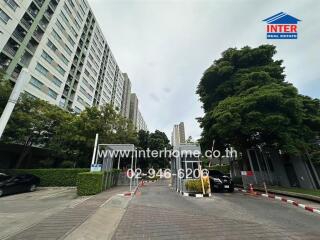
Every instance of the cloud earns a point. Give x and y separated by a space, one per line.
165 46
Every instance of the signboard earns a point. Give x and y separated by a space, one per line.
96 167
247 173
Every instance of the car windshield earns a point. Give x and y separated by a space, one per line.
216 173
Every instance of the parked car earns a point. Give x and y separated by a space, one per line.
220 181
18 184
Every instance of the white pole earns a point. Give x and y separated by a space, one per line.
119 162
131 172
18 87
95 149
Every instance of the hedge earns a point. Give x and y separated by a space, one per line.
96 182
90 183
54 177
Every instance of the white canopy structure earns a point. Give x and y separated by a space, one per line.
105 156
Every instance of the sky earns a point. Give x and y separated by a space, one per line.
166 45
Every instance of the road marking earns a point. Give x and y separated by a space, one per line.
79 202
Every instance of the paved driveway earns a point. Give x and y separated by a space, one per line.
160 213
18 212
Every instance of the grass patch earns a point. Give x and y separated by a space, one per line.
297 190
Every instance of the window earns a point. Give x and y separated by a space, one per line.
84 92
52 46
71 3
64 59
71 41
64 18
56 81
52 94
4 17
41 69
67 9
36 83
56 35
12 4
61 70
77 110
46 56
59 25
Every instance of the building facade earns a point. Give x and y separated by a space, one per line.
178 135
60 42
125 106
133 116
141 124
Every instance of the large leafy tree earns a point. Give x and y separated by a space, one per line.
153 141
248 103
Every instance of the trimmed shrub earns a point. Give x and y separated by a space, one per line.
54 177
90 183
224 169
195 185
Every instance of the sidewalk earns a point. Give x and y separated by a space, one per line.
104 222
63 223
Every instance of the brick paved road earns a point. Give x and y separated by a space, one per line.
160 213
58 225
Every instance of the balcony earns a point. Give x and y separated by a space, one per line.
33 12
37 36
39 2
10 50
53 6
25 23
31 47
48 15
26 58
18 36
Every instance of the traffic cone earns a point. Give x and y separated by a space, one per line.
251 190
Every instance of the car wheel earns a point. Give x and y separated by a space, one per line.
32 188
1 192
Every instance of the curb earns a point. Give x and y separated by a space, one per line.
196 195
285 193
282 199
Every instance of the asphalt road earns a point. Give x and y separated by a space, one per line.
160 213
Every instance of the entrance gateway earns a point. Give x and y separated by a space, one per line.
109 156
123 157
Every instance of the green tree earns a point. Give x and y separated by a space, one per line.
247 103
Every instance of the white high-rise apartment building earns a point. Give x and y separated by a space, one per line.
178 134
61 44
125 106
141 124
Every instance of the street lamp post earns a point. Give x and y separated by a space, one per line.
18 87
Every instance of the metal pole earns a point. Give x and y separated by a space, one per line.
95 150
131 172
119 162
18 87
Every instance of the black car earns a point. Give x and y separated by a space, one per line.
220 181
17 184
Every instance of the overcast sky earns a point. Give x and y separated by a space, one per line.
166 45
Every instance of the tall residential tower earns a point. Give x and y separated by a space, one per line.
62 45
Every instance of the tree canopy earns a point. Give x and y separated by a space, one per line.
69 136
154 141
248 103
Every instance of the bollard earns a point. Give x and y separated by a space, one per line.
265 187
251 189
